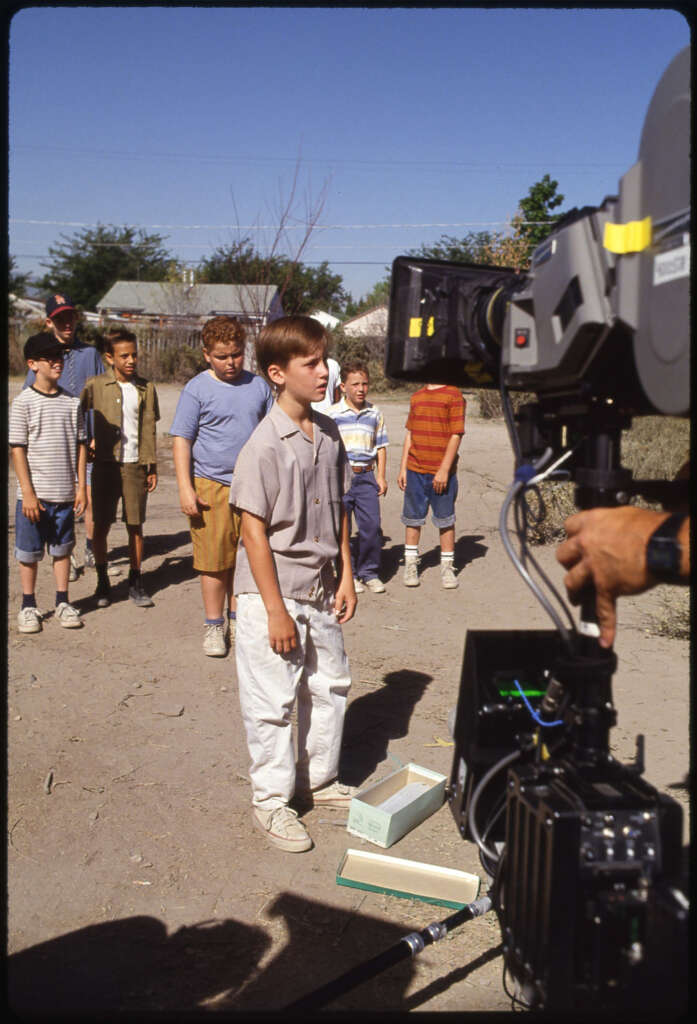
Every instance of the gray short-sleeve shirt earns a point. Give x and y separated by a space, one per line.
295 484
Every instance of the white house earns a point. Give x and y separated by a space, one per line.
170 302
372 323
326 319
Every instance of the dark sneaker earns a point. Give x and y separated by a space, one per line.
139 597
103 595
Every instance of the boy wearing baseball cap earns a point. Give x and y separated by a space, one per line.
80 362
48 442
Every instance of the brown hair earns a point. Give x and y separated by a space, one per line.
116 335
223 329
354 366
289 336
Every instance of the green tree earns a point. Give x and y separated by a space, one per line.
471 248
16 282
379 295
303 289
535 208
88 263
532 223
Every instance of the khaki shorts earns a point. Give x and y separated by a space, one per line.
215 533
114 480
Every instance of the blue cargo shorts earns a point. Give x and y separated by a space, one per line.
54 531
419 494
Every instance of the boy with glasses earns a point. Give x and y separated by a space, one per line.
48 443
80 362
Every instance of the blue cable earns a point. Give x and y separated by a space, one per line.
533 713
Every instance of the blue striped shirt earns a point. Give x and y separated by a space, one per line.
362 432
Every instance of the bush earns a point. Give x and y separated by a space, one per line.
369 348
17 334
654 448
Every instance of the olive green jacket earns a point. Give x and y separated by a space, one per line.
102 395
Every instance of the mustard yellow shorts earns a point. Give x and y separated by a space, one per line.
215 532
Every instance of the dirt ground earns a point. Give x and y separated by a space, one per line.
136 881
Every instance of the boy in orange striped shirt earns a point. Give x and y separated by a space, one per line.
428 476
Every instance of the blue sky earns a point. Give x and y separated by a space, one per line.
190 121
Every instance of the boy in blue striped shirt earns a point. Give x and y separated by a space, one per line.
363 432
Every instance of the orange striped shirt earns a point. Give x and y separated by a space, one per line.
435 414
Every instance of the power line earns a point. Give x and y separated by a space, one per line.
239 158
274 227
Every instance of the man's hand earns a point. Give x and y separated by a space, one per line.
382 486
606 547
151 481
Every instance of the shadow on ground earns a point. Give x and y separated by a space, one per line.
467 549
132 966
375 719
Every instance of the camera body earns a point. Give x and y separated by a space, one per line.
602 313
587 854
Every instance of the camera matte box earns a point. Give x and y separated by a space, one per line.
407 879
385 811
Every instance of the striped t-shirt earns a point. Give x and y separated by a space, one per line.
362 432
50 427
435 414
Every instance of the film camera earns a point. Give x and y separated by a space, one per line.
583 854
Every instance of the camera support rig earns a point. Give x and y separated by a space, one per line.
586 887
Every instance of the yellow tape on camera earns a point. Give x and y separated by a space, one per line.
415 324
633 236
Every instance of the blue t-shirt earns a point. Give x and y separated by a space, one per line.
217 417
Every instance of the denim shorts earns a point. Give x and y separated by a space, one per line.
419 494
55 531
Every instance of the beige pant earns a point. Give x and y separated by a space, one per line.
315 675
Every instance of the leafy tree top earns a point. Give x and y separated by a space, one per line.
88 263
303 289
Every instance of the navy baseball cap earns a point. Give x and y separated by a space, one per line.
57 304
42 345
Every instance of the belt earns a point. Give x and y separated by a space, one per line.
363 468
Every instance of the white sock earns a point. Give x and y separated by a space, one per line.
446 557
411 551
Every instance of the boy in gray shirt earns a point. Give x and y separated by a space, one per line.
288 485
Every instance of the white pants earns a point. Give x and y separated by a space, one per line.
315 674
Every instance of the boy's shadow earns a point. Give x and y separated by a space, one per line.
373 720
155 544
467 549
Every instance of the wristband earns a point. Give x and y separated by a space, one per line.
663 551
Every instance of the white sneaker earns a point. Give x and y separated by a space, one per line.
68 616
447 576
411 573
73 572
358 586
375 585
29 620
335 794
214 641
283 829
